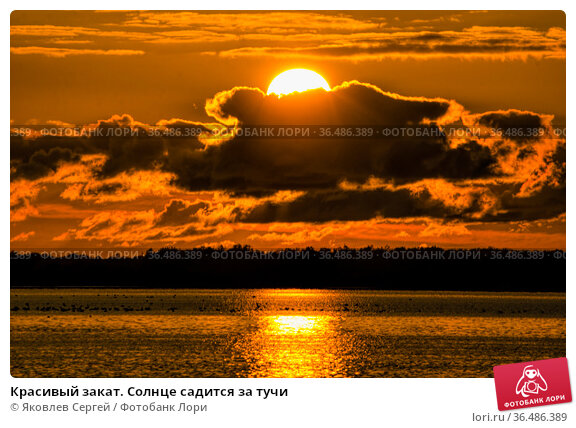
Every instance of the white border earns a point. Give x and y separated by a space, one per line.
312 402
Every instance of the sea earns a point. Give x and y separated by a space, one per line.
279 333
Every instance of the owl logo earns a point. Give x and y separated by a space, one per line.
531 382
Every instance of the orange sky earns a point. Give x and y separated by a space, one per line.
137 69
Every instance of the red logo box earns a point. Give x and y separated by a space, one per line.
531 384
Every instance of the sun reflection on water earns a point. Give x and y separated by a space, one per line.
294 346
294 324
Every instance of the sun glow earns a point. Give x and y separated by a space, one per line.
297 80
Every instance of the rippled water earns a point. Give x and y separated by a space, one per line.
279 333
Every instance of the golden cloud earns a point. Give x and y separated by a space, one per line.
65 52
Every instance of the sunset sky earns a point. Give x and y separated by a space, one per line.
209 69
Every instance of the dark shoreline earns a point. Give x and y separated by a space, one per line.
412 269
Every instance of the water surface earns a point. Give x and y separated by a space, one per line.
279 333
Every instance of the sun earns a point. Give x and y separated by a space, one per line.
297 80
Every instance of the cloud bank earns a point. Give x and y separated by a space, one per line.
509 177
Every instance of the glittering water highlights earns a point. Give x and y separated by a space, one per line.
279 333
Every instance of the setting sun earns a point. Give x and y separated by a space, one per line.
297 80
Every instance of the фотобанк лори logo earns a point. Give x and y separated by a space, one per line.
533 383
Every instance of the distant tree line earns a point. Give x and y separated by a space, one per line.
430 268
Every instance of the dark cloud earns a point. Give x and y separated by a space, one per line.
42 162
260 164
323 206
520 176
545 203
35 158
178 212
493 204
352 103
515 125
